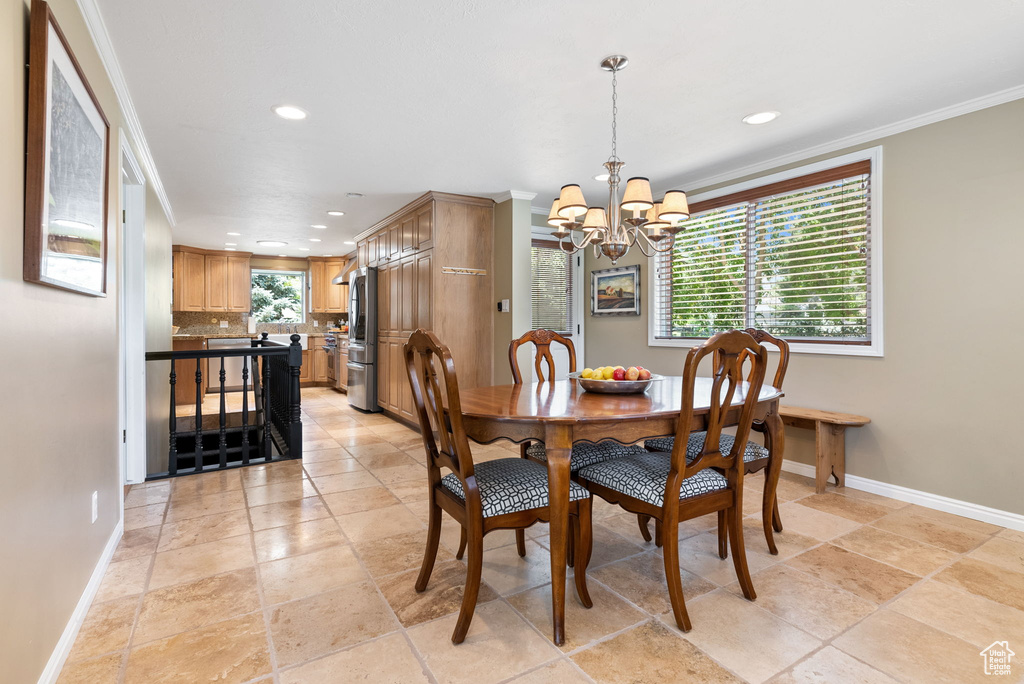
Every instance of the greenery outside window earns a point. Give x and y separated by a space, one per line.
277 296
796 254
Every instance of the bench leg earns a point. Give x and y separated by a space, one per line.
830 453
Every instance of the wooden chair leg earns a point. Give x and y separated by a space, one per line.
570 543
658 539
430 553
521 543
474 568
584 545
642 521
739 552
776 519
462 545
723 537
675 582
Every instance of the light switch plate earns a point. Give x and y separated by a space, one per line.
223 324
504 306
316 324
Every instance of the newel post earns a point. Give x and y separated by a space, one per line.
294 398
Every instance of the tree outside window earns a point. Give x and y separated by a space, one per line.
277 296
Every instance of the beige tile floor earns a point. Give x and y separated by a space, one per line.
303 573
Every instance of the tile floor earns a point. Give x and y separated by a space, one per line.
303 573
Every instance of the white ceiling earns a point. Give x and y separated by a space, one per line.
478 97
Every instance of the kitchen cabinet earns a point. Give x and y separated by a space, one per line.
342 369
414 291
306 372
319 362
325 296
185 372
208 280
189 274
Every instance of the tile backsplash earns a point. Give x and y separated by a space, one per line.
208 323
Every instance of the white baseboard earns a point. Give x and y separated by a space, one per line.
1014 521
67 639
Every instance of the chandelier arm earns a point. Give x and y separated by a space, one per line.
587 239
637 234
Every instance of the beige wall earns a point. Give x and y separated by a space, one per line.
58 414
945 399
512 275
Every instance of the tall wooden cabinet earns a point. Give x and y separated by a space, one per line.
433 260
210 280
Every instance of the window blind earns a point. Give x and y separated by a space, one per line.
792 258
552 297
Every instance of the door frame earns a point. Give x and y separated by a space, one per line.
131 300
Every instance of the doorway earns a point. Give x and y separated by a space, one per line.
132 317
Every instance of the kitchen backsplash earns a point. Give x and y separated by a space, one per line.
208 323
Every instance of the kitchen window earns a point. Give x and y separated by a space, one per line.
553 291
796 254
277 296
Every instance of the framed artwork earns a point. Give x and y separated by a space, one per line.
67 148
615 292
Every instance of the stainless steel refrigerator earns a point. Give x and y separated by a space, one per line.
362 339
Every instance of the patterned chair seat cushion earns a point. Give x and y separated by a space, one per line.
586 454
753 452
510 485
644 477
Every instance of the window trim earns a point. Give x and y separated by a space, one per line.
303 291
876 347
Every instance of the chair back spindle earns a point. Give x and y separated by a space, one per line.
541 340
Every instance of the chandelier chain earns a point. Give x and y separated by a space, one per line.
615 113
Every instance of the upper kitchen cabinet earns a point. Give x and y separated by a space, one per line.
207 280
325 296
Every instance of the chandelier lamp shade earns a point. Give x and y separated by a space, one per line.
637 220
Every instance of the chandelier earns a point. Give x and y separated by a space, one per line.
606 229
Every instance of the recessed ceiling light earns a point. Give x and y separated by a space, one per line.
760 118
290 112
271 243
229 249
601 177
319 226
303 249
235 234
350 242
354 195
335 212
314 239
282 255
230 244
328 255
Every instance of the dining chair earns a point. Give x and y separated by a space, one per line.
756 457
507 493
583 454
672 488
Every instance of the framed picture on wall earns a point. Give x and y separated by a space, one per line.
67 147
615 292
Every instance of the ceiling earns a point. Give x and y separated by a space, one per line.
478 97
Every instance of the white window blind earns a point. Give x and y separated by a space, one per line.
552 299
792 258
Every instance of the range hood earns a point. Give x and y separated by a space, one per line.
343 274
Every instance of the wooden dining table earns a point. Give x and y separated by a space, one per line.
562 413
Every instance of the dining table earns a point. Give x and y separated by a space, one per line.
561 413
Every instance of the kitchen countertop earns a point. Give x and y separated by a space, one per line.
216 336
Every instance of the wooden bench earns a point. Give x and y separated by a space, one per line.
829 439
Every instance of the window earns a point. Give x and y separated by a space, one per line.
277 296
552 278
794 254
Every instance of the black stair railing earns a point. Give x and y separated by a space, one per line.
272 432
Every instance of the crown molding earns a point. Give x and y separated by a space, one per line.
101 39
872 135
514 194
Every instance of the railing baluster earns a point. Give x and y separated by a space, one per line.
266 408
199 416
172 454
223 420
245 410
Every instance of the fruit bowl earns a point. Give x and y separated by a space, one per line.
614 386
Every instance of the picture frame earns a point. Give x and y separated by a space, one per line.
615 291
66 166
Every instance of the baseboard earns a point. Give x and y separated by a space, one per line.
1014 521
67 639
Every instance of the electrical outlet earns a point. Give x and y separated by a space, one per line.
316 324
223 324
95 506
